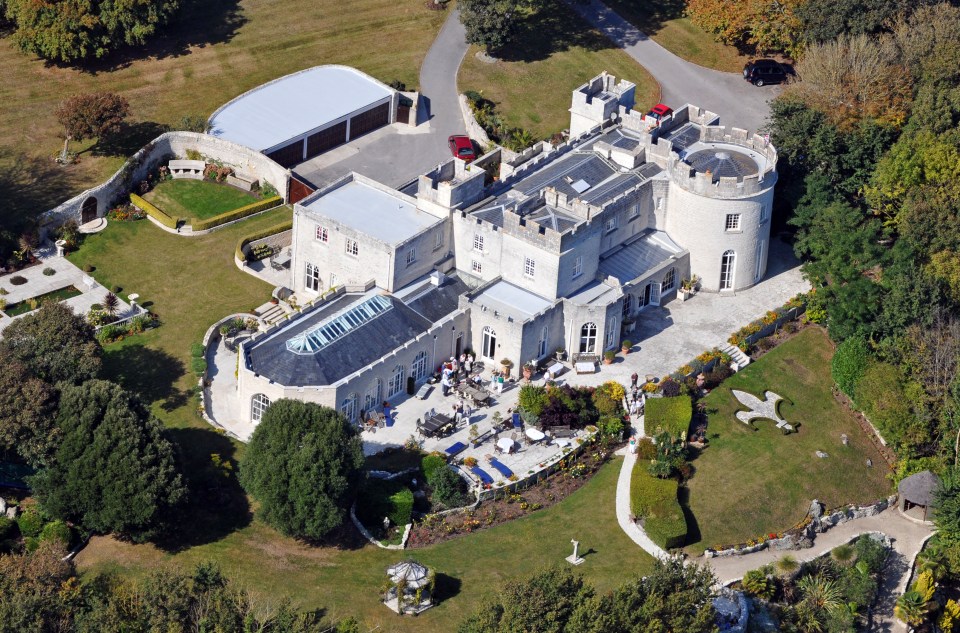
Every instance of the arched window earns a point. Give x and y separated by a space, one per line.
349 407
374 395
669 280
542 345
395 385
611 333
727 264
488 345
419 367
588 338
258 404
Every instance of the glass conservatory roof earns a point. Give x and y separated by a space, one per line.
328 331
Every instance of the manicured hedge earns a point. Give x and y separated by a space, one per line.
431 464
383 498
153 211
672 415
259 235
655 500
236 214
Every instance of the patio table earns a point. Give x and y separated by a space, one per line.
534 434
505 444
435 423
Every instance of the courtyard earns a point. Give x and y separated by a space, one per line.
197 199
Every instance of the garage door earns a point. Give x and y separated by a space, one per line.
289 155
326 139
370 120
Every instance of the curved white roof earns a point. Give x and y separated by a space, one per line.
285 108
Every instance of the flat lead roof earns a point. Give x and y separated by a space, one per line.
512 300
387 217
285 108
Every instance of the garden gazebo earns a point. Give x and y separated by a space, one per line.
409 588
917 495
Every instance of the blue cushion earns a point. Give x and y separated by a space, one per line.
483 475
506 472
457 447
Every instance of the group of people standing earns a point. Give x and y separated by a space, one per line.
455 370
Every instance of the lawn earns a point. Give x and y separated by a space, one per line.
217 50
16 309
346 581
555 52
664 21
753 481
197 199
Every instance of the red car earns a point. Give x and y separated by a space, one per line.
461 147
659 112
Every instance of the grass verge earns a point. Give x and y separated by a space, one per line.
346 581
753 480
664 21
556 51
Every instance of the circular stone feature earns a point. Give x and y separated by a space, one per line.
727 163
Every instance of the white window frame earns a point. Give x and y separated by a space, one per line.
669 281
259 403
634 211
322 234
542 343
477 267
411 256
395 384
488 342
350 408
312 277
588 338
351 247
478 242
529 267
418 368
577 267
374 395
610 224
733 222
728 266
438 240
333 280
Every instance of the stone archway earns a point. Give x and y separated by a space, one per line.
88 211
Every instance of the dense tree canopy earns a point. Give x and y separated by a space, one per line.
27 409
672 597
55 344
491 24
114 469
74 30
302 465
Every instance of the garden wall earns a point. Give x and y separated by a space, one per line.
156 153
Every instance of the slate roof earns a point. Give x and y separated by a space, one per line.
435 302
269 356
633 260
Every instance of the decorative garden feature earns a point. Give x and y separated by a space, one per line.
768 408
409 588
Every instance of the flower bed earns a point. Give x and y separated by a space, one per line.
505 506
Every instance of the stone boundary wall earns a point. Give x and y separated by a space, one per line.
211 336
369 537
277 241
156 153
803 537
474 129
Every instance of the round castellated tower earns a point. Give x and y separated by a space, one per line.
719 207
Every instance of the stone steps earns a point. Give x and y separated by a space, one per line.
739 359
272 314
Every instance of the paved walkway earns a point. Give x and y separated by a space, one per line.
737 102
629 527
398 153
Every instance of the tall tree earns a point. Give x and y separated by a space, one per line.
302 465
55 344
37 590
490 24
74 30
91 116
27 409
114 469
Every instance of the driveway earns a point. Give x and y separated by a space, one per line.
738 103
398 153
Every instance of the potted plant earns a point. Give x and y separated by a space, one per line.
561 354
473 434
505 366
688 287
528 371
626 345
608 356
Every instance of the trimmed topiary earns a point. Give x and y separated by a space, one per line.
18 280
49 271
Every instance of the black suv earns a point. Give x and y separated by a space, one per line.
764 71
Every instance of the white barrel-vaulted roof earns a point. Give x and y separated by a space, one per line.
270 114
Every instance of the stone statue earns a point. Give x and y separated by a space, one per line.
574 559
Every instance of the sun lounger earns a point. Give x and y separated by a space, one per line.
506 472
455 449
517 422
482 475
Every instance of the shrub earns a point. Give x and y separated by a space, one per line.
849 364
470 462
533 399
56 531
88 268
198 365
6 528
30 523
609 354
449 488
140 323
655 500
669 387
646 449
18 280
716 376
49 272
671 415
384 498
196 350
110 333
756 583
236 214
611 426
431 464
260 251
401 506
606 402
154 212
252 237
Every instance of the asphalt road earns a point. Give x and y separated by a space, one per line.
737 102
